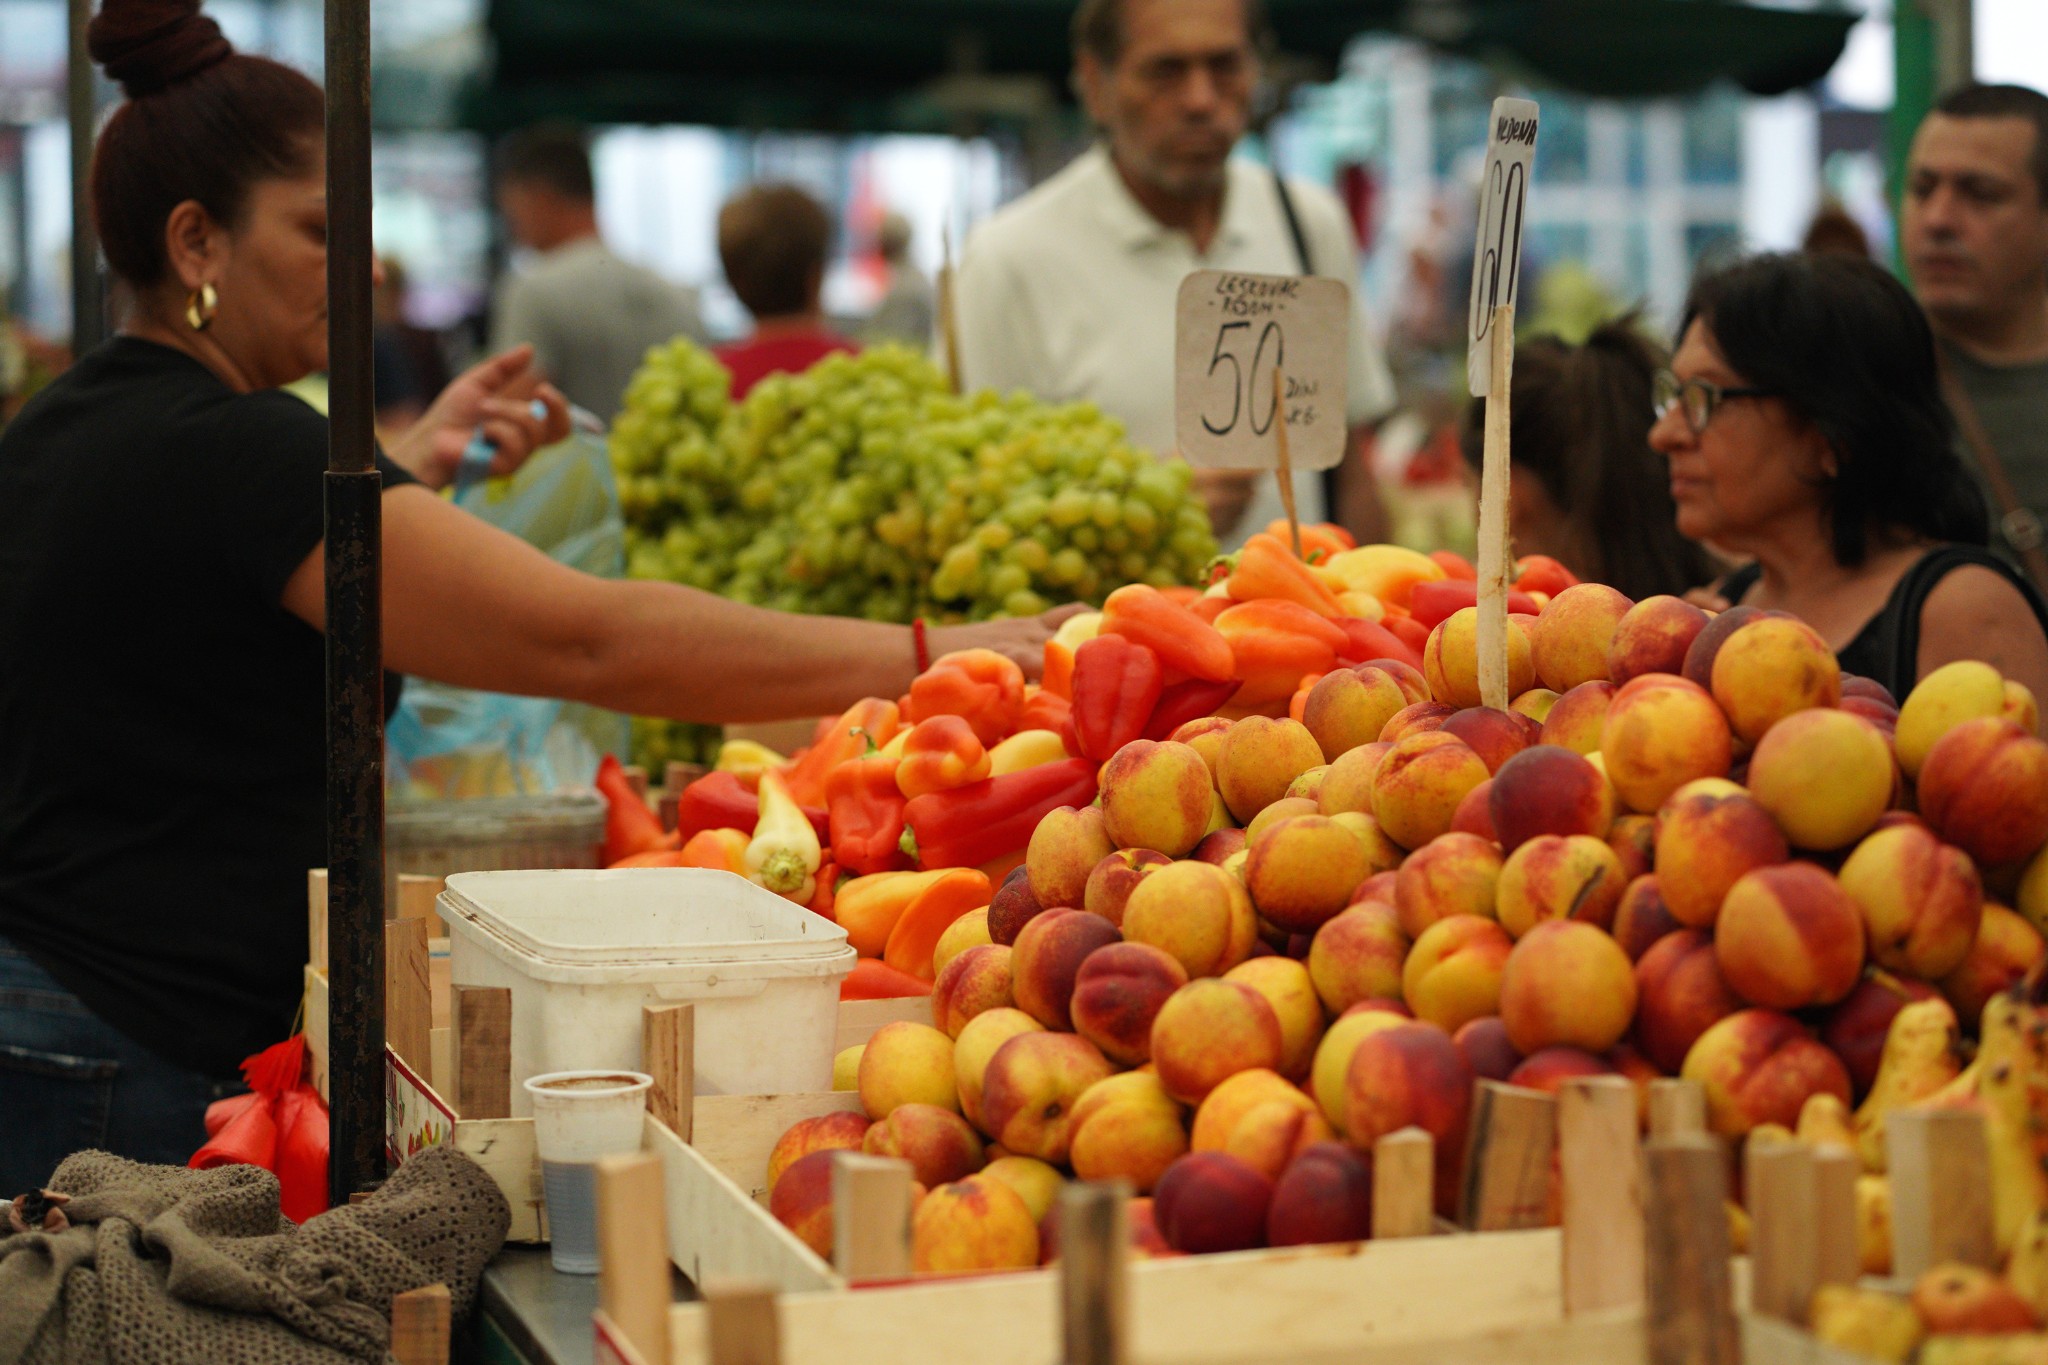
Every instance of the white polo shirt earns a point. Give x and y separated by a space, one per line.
1068 293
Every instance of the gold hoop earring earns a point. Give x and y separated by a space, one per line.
200 308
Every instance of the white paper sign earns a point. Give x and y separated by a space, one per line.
1497 254
1231 331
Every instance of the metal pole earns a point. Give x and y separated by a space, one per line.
88 300
355 691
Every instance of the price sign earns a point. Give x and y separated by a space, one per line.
1497 254
1231 332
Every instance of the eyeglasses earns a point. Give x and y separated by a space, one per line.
1696 398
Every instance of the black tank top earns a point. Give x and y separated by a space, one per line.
1887 649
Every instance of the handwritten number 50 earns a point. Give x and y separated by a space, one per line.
1242 378
1507 200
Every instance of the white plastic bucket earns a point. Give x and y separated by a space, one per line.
583 951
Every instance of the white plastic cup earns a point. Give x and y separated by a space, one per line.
579 1116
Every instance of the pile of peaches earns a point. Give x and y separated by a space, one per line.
1690 846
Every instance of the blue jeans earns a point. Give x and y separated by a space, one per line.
69 1081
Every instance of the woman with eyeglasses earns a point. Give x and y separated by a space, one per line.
1805 430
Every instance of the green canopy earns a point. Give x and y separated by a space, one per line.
862 65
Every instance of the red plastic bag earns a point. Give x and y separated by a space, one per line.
281 1125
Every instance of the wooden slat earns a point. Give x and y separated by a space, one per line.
870 1216
632 1248
1600 1174
859 1019
482 1053
735 1133
716 1229
441 1059
668 1053
1404 1184
316 1029
419 1326
1095 1274
316 918
1940 1164
505 1149
1677 1107
416 898
741 1323
1508 1166
1688 1298
1784 1241
1838 1256
408 1004
441 982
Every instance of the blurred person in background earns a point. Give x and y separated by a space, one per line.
774 242
1834 229
409 366
588 315
1803 421
1584 486
906 312
1069 292
1974 227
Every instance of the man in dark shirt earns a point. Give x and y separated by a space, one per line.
1975 229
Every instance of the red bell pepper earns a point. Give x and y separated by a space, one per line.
1541 573
1455 565
630 827
1116 686
982 687
874 979
1184 701
866 815
1370 640
1181 639
722 801
985 820
941 753
869 723
1266 568
1433 603
1408 631
1045 710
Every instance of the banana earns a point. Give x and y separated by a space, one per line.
2012 1083
1879 1326
1922 1055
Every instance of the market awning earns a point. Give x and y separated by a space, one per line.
878 64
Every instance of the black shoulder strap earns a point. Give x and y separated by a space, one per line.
1911 596
1738 583
1293 222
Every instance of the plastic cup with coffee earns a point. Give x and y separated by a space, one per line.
579 1116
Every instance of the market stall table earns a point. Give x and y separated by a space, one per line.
529 1313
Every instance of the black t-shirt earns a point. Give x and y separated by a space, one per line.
162 716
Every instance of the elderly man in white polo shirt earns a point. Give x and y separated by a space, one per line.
1069 292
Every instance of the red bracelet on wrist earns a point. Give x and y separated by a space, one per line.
919 643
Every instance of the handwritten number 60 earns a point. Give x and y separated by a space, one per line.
1272 334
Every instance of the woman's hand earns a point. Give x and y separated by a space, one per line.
498 396
1020 638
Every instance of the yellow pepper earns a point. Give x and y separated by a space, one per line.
783 855
1025 749
747 758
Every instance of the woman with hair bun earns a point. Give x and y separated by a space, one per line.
161 599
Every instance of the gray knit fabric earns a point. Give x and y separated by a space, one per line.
165 1265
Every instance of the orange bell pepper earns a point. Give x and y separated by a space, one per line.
1266 568
1319 540
660 857
1275 643
1208 608
942 752
723 849
1074 632
630 827
1297 706
1181 596
982 687
868 907
868 722
1182 640
1045 710
1541 574
1455 565
916 933
825 893
874 979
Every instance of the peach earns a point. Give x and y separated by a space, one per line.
1643 918
1760 1066
1109 886
1117 993
1048 956
1211 1201
1305 787
1302 870
1770 668
1350 706
1681 994
1011 908
1578 717
1453 972
1475 813
1567 983
2007 948
1227 1105
1037 1183
1333 1055
1984 788
1885 718
802 1201
1156 795
1347 782
938 1143
1452 874
907 1063
2020 707
1870 689
1065 847
1549 789
1324 1195
1291 991
1550 1068
1126 1127
1378 887
1855 1029
1653 637
1029 1091
1286 808
1408 1074
1496 736
846 1067
1634 840
976 981
1205 735
1450 659
1259 757
1535 704
1265 1124
1214 848
969 931
824 1133
976 1047
1197 912
1960 1301
1699 656
1708 835
1789 937
972 1224
1382 855
1419 718
1208 1031
1569 642
1484 1045
1358 956
1964 690
1661 736
1825 776
1557 877
1419 785
1921 901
